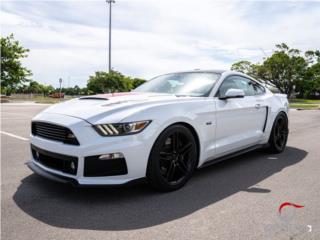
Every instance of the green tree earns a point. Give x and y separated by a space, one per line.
12 71
76 90
285 68
47 90
136 82
310 87
247 68
85 91
34 87
23 88
103 82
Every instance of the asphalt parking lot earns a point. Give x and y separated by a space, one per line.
235 199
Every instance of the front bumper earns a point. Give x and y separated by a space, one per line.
66 180
135 148
55 177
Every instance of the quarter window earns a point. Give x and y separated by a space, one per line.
258 89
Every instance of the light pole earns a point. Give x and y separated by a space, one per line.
60 81
110 7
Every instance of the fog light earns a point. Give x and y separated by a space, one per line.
72 166
37 155
111 156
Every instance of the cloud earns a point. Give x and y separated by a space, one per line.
68 39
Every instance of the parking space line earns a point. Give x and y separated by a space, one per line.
17 114
15 136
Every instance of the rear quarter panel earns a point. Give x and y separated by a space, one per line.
276 103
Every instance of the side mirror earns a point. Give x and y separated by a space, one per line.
233 93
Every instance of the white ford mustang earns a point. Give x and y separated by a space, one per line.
162 131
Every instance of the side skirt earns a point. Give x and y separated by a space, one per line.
231 155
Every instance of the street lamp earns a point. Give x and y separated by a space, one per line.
110 7
60 81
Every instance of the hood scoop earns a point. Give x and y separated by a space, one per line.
93 98
107 96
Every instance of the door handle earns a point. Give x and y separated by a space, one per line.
258 106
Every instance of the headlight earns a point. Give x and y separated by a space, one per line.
120 129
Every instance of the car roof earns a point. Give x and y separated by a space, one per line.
217 71
203 70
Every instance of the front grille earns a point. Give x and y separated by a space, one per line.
53 132
60 162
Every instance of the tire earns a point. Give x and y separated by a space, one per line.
279 134
173 159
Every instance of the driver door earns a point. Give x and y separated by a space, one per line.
240 121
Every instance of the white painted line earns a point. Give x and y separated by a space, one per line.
25 104
13 119
15 136
18 114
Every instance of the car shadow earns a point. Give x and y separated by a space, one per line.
136 207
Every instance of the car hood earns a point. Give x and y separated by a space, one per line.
115 107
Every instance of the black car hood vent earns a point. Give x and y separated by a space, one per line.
93 98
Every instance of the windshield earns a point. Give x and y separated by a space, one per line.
197 84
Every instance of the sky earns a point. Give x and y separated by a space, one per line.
69 39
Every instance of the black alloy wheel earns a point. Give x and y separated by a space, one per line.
279 134
173 158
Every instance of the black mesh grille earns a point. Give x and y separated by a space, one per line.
53 132
60 162
94 167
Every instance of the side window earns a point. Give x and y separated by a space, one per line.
237 82
227 84
246 85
